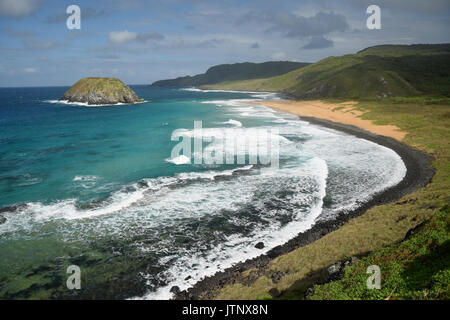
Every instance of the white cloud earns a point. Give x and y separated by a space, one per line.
122 36
18 8
30 70
127 36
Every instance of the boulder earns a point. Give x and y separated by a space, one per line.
274 292
259 245
175 290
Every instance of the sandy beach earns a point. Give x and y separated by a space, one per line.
344 112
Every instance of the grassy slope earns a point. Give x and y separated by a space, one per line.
234 72
417 268
382 71
90 84
413 269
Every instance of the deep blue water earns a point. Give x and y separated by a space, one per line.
101 194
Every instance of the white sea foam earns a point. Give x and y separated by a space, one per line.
181 159
85 178
237 247
257 94
232 122
246 141
85 104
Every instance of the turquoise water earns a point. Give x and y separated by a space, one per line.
46 146
101 192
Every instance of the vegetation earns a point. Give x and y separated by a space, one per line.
100 91
417 268
373 73
234 72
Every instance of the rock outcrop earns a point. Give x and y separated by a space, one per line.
98 91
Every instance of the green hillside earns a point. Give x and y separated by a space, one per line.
375 72
234 72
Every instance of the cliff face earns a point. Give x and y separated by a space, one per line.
95 91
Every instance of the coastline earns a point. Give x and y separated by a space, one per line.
343 112
419 173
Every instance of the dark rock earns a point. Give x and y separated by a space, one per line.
334 268
8 209
274 292
327 201
350 261
259 245
175 290
353 260
334 271
412 231
13 208
187 278
142 184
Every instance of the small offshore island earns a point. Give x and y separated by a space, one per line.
100 91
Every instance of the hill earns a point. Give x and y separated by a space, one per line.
100 91
234 72
375 72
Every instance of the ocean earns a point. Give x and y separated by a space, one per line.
102 192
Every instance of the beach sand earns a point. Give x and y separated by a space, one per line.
344 112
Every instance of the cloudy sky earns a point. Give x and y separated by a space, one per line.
142 41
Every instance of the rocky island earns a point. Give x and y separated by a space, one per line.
100 91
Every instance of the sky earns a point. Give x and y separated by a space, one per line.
142 41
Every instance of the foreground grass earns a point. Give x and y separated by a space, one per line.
416 268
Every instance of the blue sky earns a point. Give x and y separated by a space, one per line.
144 41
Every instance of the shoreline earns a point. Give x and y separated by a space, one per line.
343 112
418 174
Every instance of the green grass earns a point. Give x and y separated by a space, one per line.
374 73
421 100
418 268
403 50
91 84
234 72
378 232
